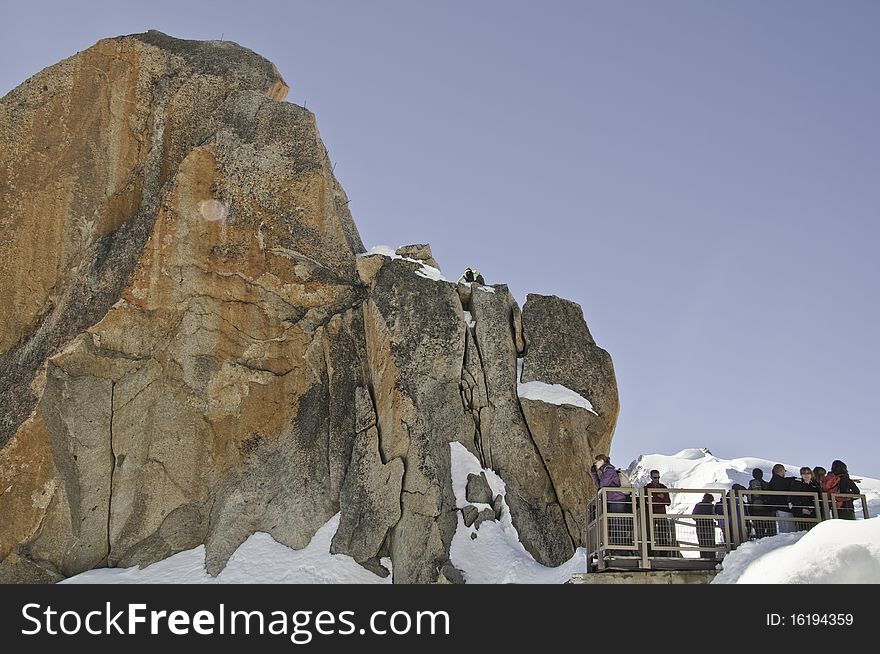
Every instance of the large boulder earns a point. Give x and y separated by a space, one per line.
182 310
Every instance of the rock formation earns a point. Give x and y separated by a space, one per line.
195 345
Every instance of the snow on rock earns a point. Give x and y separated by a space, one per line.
486 289
469 319
426 271
834 551
496 555
259 560
383 250
549 393
429 272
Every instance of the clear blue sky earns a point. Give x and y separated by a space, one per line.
702 177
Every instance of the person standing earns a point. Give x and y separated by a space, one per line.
705 525
804 506
758 506
662 527
839 481
780 503
605 476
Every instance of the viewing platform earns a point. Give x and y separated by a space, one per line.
681 538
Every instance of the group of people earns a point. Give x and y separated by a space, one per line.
812 480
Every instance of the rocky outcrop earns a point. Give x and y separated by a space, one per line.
415 344
506 443
184 316
419 252
560 350
196 347
370 496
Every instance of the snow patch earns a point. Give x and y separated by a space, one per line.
496 555
549 393
259 560
429 272
469 319
832 552
383 250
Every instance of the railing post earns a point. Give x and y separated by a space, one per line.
645 506
730 538
589 528
743 525
823 506
603 528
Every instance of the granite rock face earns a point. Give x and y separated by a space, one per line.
560 350
370 496
194 346
168 362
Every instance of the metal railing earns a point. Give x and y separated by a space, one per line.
647 531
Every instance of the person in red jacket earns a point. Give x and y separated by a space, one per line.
839 481
662 527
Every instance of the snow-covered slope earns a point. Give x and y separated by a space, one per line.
259 560
495 555
836 550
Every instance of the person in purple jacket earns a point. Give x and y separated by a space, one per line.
605 476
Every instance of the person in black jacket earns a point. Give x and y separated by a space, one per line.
804 506
780 503
759 506
705 526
